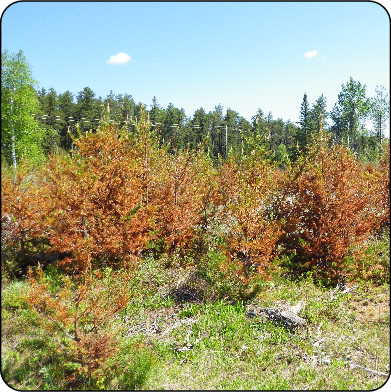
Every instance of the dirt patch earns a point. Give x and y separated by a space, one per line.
157 323
371 310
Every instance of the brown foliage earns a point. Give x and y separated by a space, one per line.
21 200
246 189
119 193
82 313
182 198
98 194
385 183
330 203
79 309
92 352
23 207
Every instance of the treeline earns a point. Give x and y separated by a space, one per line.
36 122
222 131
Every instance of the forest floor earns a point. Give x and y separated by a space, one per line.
173 340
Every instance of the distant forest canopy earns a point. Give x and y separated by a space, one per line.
222 131
57 115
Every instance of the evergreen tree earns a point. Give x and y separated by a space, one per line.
88 109
339 126
157 116
304 123
173 124
138 112
216 139
112 108
51 119
290 133
258 123
281 155
277 133
200 124
66 107
320 106
126 110
234 139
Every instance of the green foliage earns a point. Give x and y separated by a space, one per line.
14 295
132 367
317 311
220 133
35 364
54 277
210 345
318 115
21 135
374 263
379 107
282 156
209 267
189 310
88 107
62 114
354 109
305 124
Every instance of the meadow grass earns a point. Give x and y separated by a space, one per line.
206 342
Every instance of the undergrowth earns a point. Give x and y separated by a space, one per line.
166 340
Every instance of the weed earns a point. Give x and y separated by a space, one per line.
189 310
14 295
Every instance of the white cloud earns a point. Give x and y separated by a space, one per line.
119 58
310 54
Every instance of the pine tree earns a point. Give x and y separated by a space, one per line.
318 107
303 135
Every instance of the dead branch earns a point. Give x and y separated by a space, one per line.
353 365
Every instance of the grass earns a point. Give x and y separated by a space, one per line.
167 342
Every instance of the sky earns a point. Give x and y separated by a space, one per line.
244 56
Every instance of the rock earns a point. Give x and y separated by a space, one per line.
286 318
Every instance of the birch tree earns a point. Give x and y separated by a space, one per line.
21 134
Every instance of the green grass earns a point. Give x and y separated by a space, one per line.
168 343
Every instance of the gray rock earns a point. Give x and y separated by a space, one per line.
286 318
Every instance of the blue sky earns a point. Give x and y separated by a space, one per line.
243 56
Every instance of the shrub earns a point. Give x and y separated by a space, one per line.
82 313
23 208
98 214
331 203
247 186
